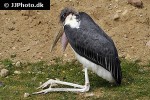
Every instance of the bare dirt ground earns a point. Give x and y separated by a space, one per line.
28 35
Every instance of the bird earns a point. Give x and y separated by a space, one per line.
93 48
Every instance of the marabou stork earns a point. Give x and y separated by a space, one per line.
92 47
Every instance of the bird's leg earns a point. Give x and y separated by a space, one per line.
77 88
51 81
87 83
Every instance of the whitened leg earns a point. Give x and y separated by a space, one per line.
77 88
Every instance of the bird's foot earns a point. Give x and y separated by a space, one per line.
49 82
77 88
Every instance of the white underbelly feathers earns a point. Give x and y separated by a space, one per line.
100 71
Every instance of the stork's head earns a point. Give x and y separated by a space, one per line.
69 17
66 12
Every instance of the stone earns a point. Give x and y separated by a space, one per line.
89 94
4 72
26 95
148 44
128 57
65 55
17 72
13 55
136 3
116 16
40 83
119 11
25 48
18 64
125 12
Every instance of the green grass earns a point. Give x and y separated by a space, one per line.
135 83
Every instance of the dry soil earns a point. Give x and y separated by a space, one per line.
28 35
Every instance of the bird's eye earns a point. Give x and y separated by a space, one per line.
65 15
77 16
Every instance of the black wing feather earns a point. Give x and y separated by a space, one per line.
91 42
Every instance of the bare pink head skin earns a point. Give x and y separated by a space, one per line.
64 41
64 13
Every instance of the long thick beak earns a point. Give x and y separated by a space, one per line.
64 40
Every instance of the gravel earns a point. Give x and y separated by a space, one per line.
18 64
4 72
26 95
148 44
116 16
136 3
17 72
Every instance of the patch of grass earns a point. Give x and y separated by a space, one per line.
135 83
7 63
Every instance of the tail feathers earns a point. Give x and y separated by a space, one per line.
118 74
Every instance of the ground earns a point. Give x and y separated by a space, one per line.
28 35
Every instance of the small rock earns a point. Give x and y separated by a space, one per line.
4 72
18 64
141 15
125 36
25 49
26 95
127 56
13 55
17 72
13 48
116 6
125 12
65 55
119 11
89 94
116 16
136 3
141 70
40 83
148 44
11 28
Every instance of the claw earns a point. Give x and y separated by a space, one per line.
40 92
51 82
44 85
43 91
